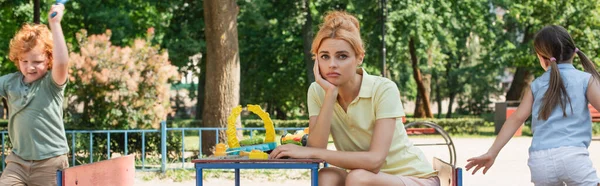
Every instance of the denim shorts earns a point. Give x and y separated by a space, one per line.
562 165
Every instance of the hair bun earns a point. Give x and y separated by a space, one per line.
340 19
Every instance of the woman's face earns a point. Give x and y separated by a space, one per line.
337 61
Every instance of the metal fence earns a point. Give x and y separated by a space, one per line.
77 137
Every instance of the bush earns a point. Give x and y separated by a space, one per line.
112 87
276 123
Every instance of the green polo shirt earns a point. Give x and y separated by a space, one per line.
35 124
378 98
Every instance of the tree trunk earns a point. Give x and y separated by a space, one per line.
519 84
36 11
200 92
421 90
522 76
222 84
307 37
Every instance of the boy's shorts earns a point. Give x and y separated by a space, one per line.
563 165
32 172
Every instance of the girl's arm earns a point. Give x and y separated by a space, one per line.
60 52
508 130
513 123
370 160
593 93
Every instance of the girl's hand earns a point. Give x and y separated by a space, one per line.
291 151
486 161
321 81
59 9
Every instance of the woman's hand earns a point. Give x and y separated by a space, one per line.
291 151
486 161
321 81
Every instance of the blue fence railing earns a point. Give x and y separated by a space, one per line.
78 155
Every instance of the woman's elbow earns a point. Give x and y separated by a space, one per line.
375 164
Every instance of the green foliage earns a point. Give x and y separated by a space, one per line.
251 141
13 14
524 18
273 70
118 88
276 123
127 19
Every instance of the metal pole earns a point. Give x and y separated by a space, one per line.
163 146
383 50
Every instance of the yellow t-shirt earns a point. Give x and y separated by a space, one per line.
352 131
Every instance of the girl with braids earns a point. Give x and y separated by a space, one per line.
561 122
362 113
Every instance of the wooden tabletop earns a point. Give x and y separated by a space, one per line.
258 161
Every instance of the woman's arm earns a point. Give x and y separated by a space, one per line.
319 126
60 65
371 160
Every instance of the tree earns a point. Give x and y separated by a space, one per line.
222 66
524 18
414 24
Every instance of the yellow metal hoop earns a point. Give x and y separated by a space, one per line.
232 140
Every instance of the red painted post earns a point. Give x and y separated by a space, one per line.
509 111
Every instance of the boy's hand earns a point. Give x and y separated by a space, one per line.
486 161
59 9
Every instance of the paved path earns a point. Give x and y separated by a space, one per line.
510 167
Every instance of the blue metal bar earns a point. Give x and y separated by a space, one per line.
163 146
199 177
257 165
108 144
91 149
73 149
143 150
200 143
237 177
314 175
3 157
216 136
113 131
459 178
182 148
126 140
314 167
59 180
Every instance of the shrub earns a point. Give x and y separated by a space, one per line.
117 87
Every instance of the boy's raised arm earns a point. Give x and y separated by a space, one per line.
60 52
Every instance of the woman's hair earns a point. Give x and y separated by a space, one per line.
28 38
339 25
554 44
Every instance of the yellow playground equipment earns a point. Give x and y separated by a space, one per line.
234 144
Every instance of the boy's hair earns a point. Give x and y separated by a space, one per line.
339 25
554 44
27 38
